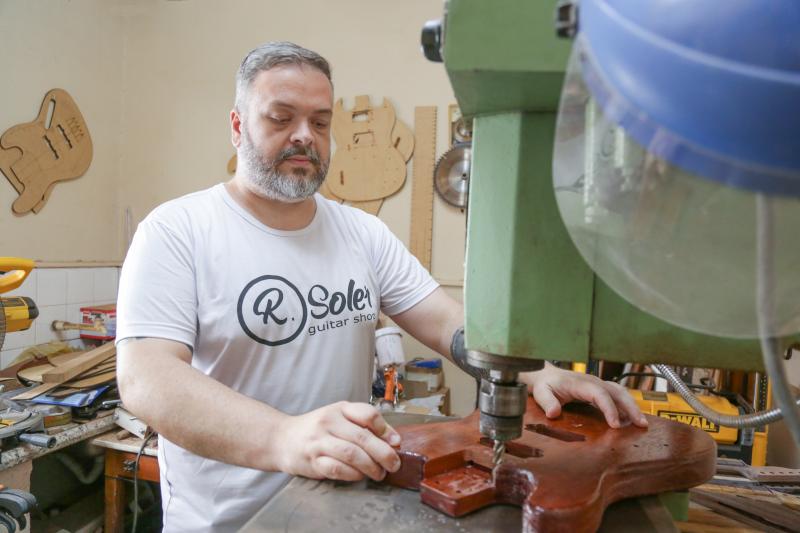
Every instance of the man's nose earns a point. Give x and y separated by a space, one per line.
302 134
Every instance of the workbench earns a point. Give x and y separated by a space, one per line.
120 459
24 452
16 464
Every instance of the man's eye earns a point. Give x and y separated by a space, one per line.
280 120
322 124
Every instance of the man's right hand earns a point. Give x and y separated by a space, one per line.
344 441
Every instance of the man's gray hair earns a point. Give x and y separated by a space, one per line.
271 55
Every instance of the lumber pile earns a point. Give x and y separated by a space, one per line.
66 374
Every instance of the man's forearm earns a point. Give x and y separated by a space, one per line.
433 321
194 411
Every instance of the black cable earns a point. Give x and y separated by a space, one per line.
148 435
706 384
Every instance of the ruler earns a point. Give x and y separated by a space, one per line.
422 184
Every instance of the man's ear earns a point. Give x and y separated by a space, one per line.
236 128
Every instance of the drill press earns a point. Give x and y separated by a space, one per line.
529 295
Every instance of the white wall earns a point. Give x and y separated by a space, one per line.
76 46
182 58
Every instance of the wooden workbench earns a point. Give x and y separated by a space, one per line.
77 432
120 459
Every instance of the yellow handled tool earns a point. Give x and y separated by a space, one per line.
13 271
17 312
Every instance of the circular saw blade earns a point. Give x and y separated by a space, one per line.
451 176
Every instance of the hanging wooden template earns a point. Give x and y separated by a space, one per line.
36 155
403 141
422 184
366 165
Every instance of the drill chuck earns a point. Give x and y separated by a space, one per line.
502 406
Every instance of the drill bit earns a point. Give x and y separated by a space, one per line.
499 449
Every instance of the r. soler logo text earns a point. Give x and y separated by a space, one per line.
272 311
690 419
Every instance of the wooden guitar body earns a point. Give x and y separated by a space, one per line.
563 472
36 155
368 164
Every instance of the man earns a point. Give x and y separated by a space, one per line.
247 315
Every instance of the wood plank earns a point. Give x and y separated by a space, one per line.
734 509
69 370
93 380
34 373
36 391
707 521
422 184
772 513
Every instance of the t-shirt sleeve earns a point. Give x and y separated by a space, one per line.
157 288
403 280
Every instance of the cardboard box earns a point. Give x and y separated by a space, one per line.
417 389
431 376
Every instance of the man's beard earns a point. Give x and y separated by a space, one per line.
263 178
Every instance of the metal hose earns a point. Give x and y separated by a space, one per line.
741 421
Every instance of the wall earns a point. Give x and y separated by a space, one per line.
182 58
76 46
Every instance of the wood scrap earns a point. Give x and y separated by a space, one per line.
766 516
34 374
707 521
89 369
760 493
773 474
63 392
93 381
76 366
62 358
30 394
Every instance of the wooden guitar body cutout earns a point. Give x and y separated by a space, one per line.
36 155
563 473
372 148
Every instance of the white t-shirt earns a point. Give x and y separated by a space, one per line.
285 317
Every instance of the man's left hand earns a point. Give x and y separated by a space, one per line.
552 387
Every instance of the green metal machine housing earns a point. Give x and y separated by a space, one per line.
528 293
